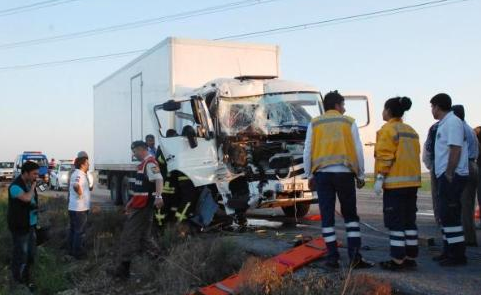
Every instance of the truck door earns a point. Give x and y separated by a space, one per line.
360 108
136 103
198 161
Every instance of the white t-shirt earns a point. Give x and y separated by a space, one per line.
450 132
76 202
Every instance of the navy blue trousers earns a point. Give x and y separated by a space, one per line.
328 185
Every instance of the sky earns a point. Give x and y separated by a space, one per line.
415 54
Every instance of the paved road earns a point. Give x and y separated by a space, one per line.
428 279
272 233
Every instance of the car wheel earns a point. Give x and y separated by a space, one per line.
299 210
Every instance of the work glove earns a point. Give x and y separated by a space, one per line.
378 184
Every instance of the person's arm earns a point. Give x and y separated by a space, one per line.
77 185
455 139
307 152
359 150
384 151
474 144
453 161
18 193
153 173
427 157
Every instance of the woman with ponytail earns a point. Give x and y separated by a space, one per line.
398 173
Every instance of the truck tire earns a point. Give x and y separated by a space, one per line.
124 189
115 190
302 210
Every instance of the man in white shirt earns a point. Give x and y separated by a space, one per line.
451 169
333 154
79 205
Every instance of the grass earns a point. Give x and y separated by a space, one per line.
186 262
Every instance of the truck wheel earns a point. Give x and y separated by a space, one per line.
302 210
124 189
115 190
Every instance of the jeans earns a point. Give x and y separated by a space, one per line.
328 185
24 250
78 222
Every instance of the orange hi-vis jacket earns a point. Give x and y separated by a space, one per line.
397 154
332 142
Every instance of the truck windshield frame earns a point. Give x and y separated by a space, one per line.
268 114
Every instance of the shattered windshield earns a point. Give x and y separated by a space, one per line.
268 114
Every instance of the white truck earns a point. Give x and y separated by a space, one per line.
222 118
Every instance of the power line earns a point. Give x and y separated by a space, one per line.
73 60
138 24
362 16
357 17
33 6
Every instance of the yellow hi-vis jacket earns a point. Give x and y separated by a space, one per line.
397 155
332 142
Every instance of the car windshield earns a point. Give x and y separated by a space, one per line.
6 164
66 167
268 114
40 161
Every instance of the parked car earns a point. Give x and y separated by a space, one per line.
60 174
37 157
6 170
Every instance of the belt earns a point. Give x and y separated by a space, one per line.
472 160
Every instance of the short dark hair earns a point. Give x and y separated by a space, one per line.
442 100
331 99
138 143
79 162
458 110
398 105
149 136
29 166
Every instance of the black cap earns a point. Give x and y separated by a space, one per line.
138 143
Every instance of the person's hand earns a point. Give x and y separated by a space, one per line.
34 185
378 184
449 177
159 203
312 184
378 187
360 183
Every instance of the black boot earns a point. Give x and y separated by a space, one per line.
123 270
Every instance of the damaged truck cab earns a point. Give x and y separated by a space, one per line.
244 138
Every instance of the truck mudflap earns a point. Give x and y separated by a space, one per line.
283 264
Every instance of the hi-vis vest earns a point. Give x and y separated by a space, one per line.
397 155
332 142
143 189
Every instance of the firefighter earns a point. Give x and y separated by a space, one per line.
333 154
398 170
140 208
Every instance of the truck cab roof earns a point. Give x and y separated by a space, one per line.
254 86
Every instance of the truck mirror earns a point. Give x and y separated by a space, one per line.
171 106
357 106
